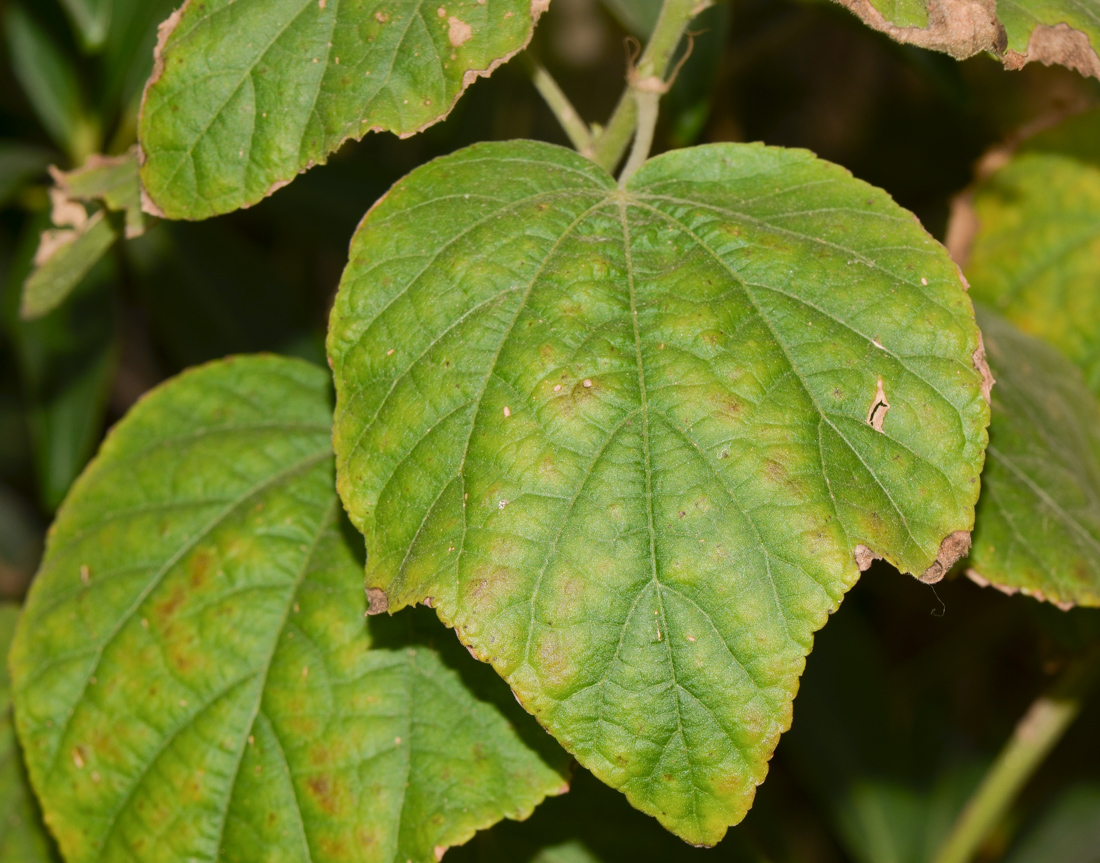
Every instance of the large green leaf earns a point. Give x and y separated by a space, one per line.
632 442
23 837
1066 32
1034 253
248 93
194 678
1038 526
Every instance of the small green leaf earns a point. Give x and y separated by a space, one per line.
633 442
194 676
1065 32
1035 255
246 94
1038 525
110 180
23 837
64 259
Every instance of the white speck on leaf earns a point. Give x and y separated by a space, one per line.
924 281
507 411
587 382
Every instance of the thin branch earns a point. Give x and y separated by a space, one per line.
1036 734
577 130
610 145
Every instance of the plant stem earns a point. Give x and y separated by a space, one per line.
647 104
577 130
611 144
1036 734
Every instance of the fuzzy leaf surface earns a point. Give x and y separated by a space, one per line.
623 439
1038 525
1035 255
1064 32
247 94
194 678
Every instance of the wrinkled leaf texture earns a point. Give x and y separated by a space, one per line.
628 441
246 94
194 677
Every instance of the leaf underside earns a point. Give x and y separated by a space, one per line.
1035 255
1038 524
1064 32
246 94
627 442
193 676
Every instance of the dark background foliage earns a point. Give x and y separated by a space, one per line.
910 691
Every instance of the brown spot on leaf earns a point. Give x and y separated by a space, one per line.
321 789
458 31
983 369
377 601
961 28
876 414
953 548
1061 45
864 557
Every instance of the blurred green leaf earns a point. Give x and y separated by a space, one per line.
19 163
67 363
1037 525
49 82
92 21
64 259
23 837
1068 832
110 180
1035 253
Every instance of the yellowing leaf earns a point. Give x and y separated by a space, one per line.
194 677
634 444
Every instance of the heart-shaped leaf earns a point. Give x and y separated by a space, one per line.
1065 32
194 677
246 94
1038 527
631 443
1028 236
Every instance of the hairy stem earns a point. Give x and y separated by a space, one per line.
577 130
1036 734
609 147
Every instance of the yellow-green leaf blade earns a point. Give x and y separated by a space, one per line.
1038 524
630 445
194 677
248 93
1035 253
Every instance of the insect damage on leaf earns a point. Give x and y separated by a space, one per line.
1024 31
